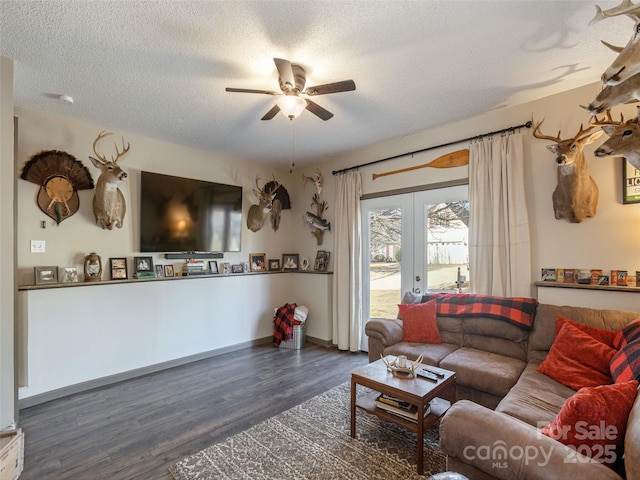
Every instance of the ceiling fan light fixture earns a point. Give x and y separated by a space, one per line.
291 106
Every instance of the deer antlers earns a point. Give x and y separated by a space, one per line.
583 131
606 120
119 153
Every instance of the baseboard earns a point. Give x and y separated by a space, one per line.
318 341
119 377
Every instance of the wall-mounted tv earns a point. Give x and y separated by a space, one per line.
187 215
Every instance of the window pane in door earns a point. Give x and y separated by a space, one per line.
385 229
447 246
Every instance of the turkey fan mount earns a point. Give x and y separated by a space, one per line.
60 176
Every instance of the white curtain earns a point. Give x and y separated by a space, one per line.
499 242
347 263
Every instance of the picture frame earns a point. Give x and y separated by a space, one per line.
46 275
321 262
257 262
143 267
274 264
290 261
118 268
236 268
168 271
213 266
68 274
225 268
159 271
630 183
245 267
143 264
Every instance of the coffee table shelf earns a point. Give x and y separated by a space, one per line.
438 409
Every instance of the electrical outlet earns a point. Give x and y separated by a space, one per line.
37 246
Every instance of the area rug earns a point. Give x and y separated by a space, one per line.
312 441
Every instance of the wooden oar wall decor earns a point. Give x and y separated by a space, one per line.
453 159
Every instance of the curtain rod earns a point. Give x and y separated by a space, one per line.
524 125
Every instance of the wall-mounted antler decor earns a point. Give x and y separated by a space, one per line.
318 223
60 176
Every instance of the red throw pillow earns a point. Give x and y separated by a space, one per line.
628 334
605 336
594 420
419 321
577 360
625 365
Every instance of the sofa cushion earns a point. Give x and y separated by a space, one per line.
625 364
536 398
419 322
594 421
577 360
628 334
632 443
604 336
542 335
484 371
433 353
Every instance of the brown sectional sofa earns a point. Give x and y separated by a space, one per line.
493 429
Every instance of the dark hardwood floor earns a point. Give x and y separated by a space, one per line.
135 429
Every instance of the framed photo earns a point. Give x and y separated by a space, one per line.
631 183
159 271
258 262
68 274
245 267
274 264
322 261
225 267
46 275
168 270
118 268
143 264
236 268
290 261
213 266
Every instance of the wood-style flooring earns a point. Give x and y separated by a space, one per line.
135 429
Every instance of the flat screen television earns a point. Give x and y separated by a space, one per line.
187 215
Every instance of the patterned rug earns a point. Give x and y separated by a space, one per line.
312 441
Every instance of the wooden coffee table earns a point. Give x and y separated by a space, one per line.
416 391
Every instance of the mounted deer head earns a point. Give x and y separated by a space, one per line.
576 194
108 202
627 63
258 213
624 138
613 95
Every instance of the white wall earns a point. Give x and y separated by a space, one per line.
8 404
610 240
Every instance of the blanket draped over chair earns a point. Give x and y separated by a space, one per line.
519 311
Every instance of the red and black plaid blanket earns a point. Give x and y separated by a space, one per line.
283 323
518 311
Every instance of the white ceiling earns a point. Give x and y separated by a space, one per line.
159 68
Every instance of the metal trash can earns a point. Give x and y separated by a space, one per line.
299 337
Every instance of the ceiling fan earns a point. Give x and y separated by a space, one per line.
292 78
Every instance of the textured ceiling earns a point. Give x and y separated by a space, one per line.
160 68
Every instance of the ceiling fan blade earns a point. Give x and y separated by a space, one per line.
249 90
318 110
271 113
335 87
285 71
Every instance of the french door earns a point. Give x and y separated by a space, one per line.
413 241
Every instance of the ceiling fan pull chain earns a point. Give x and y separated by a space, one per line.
293 143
